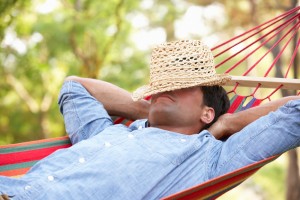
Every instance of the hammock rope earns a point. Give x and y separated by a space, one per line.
254 42
293 58
280 27
273 46
276 19
295 28
270 40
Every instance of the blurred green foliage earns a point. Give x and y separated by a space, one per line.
40 48
266 177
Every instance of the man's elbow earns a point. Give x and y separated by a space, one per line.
72 78
289 98
66 91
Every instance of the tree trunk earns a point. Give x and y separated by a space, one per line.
292 179
43 122
293 176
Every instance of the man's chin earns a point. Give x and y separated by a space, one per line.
160 113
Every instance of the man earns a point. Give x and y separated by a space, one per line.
168 152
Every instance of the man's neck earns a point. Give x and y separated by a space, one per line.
181 130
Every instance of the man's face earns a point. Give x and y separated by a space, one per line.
176 108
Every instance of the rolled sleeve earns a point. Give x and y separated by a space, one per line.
84 116
270 135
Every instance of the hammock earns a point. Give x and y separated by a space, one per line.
268 44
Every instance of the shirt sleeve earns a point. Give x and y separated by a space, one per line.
84 116
270 135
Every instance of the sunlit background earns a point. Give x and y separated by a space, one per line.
42 42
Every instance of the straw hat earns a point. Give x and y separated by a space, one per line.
180 64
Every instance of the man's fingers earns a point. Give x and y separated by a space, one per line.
4 197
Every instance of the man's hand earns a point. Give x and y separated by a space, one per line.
220 129
4 197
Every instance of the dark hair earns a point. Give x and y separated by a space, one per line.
215 97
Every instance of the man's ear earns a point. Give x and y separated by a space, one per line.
208 115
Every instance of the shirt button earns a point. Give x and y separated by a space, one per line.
50 178
81 160
183 140
130 136
107 144
140 128
27 187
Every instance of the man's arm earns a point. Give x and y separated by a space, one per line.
115 100
229 124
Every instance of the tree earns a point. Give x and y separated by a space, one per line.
40 47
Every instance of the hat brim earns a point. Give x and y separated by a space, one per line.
180 83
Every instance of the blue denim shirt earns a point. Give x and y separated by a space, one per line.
110 161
